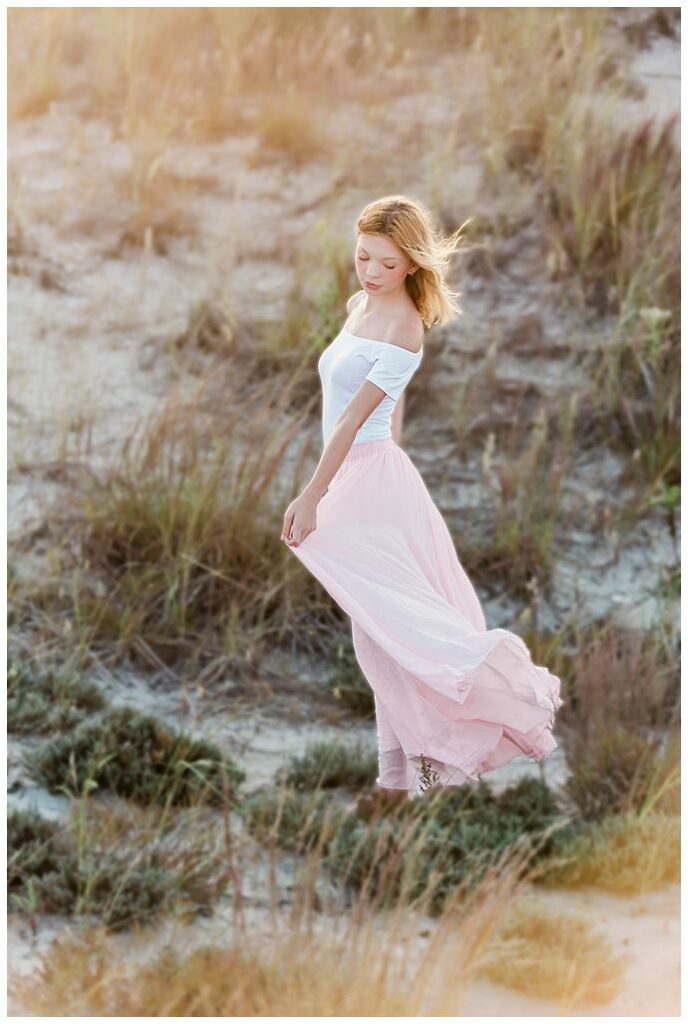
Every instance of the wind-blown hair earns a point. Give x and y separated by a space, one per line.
409 224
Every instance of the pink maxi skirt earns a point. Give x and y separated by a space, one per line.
447 690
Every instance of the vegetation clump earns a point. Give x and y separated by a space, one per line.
77 869
292 820
444 840
327 764
48 701
138 757
553 956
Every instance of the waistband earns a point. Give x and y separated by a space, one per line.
367 448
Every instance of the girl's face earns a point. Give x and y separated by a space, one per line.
380 264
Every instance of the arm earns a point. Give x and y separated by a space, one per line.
300 518
398 418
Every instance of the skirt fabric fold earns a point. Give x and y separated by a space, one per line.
451 696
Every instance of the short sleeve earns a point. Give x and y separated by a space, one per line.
393 368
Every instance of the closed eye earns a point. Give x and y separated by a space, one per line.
365 258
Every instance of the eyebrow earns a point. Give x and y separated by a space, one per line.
383 257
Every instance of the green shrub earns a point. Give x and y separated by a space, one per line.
294 821
433 845
470 828
51 871
135 756
326 764
33 848
386 857
48 701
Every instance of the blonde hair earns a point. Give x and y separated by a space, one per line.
409 224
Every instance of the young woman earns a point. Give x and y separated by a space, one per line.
453 699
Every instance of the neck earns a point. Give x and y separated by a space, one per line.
384 303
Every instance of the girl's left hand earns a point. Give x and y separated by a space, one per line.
299 521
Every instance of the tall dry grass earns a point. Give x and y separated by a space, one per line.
613 202
515 108
307 961
222 56
171 554
634 404
524 482
607 186
620 726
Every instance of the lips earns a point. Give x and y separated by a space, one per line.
370 285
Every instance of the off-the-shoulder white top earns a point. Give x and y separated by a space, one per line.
346 363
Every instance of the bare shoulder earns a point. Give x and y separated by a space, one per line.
409 333
353 301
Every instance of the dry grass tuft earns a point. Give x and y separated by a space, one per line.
554 956
171 553
627 856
